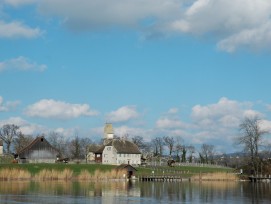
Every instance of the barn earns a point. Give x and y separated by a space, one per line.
38 151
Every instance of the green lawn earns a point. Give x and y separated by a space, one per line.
77 168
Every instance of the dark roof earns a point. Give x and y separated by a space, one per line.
126 166
35 141
94 147
124 146
100 150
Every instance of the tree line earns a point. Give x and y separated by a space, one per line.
250 138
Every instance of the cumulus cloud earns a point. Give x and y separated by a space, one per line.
7 106
232 24
123 114
49 108
17 3
17 29
25 126
226 113
21 64
168 123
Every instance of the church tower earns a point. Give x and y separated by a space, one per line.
108 133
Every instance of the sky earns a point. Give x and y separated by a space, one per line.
183 68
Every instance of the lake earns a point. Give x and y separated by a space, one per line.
133 192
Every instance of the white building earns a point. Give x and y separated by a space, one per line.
117 151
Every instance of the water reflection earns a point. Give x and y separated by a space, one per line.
134 192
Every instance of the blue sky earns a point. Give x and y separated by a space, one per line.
188 68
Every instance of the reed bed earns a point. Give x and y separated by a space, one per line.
14 174
66 174
47 174
215 177
101 175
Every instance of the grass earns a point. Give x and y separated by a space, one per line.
93 171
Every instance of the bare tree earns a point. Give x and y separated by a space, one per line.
21 141
8 133
251 138
84 144
75 148
59 142
178 147
158 145
191 152
169 142
207 153
184 150
139 141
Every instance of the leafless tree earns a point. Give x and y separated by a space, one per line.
8 133
251 138
139 141
207 153
21 141
191 151
158 146
59 142
75 148
169 142
178 147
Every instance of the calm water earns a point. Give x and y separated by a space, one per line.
134 192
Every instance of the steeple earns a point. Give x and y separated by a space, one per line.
108 132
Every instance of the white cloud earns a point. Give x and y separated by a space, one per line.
21 64
173 111
49 108
26 127
232 24
226 113
9 105
167 123
17 3
17 29
123 114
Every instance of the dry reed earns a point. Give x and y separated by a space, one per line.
66 174
215 177
47 174
14 174
101 175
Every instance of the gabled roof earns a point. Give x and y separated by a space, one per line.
124 146
126 166
100 150
94 148
35 141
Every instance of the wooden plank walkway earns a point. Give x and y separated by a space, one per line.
162 178
260 178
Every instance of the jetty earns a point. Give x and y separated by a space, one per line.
162 178
260 178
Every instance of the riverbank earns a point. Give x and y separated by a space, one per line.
103 172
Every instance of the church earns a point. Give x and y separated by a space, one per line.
117 151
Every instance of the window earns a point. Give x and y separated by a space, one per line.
109 148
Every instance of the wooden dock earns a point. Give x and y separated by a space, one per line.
162 178
260 178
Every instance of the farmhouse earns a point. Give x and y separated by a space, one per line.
117 151
38 151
